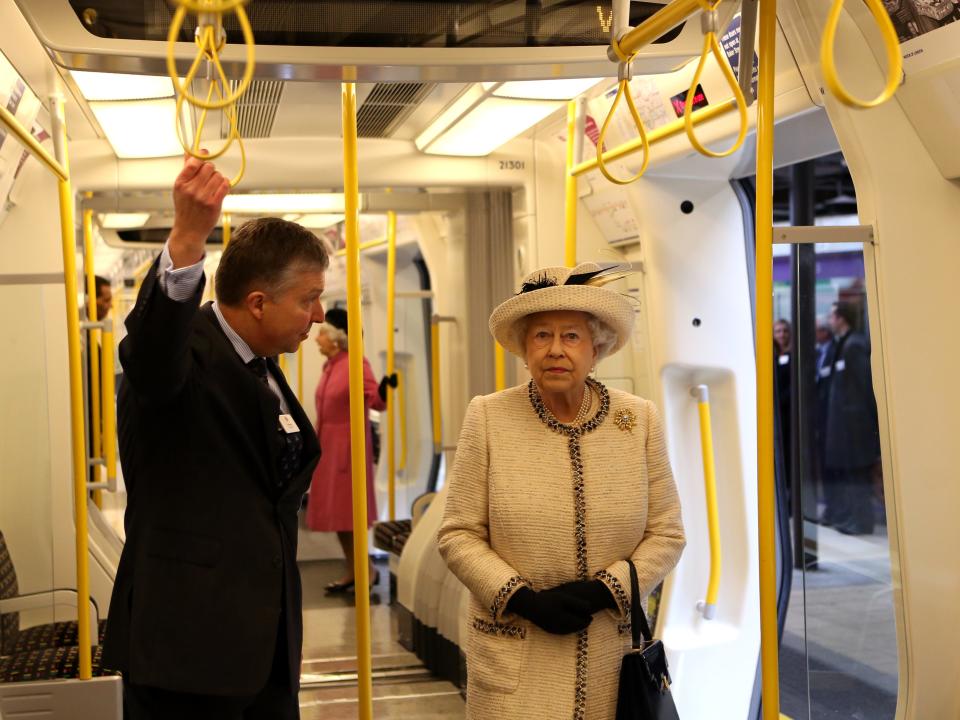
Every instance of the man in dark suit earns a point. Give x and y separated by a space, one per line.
205 619
852 441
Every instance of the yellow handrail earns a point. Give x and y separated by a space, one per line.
32 144
653 27
364 246
499 367
358 453
435 382
109 407
709 605
402 412
711 47
570 191
766 505
391 362
93 357
68 246
891 44
657 135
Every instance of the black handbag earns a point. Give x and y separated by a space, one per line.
644 692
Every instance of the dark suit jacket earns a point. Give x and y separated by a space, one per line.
208 572
852 437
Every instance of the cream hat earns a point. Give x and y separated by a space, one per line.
562 288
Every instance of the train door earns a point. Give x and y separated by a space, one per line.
838 647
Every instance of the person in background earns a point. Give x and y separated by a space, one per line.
557 484
104 303
852 441
205 617
330 508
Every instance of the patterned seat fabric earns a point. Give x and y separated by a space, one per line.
47 664
52 635
10 622
391 535
13 640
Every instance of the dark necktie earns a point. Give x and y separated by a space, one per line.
291 444
259 367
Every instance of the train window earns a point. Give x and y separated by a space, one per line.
838 654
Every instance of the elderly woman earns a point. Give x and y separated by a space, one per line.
556 485
330 508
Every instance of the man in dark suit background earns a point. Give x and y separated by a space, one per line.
205 618
852 441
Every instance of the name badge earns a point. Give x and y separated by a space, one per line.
841 365
784 359
288 424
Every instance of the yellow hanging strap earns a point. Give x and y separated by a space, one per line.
210 39
709 25
890 43
623 90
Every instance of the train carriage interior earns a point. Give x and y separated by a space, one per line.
441 152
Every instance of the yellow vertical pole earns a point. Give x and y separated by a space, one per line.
358 452
69 247
109 407
282 362
769 645
226 230
570 189
435 381
402 413
300 373
391 361
499 367
93 357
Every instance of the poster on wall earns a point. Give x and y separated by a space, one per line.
20 102
928 31
610 208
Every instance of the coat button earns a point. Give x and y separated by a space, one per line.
277 561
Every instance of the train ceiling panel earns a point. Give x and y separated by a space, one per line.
414 41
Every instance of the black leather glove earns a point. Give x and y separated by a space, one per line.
593 592
556 612
390 380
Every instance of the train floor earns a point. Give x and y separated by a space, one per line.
838 654
402 687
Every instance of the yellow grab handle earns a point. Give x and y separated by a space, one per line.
709 606
891 44
209 49
623 89
712 47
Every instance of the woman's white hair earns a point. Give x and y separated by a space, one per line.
336 335
604 337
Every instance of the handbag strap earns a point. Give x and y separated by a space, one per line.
638 619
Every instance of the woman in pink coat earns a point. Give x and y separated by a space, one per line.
330 508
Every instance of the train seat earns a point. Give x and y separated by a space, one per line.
15 640
50 663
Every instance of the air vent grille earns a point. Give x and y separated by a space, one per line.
388 105
256 109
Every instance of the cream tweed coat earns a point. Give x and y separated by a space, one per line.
511 519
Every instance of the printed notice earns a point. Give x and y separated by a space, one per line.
611 210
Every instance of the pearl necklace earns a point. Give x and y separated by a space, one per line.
585 404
